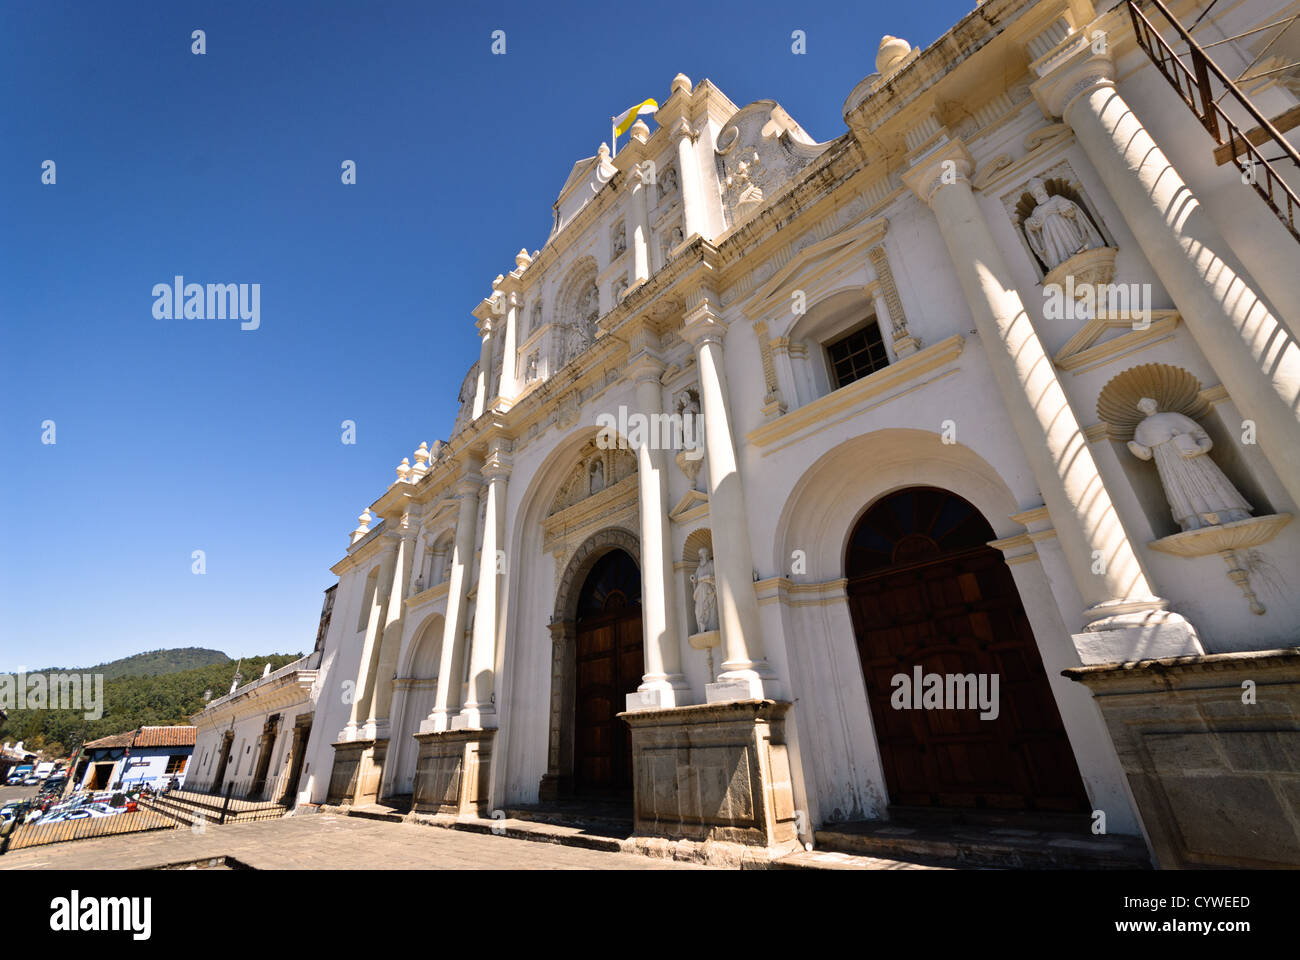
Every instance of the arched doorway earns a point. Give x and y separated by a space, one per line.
415 691
610 664
928 598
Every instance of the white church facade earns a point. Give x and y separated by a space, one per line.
807 483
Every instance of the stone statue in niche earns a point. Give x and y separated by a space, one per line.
675 238
706 594
1199 494
596 477
1058 228
668 182
618 239
530 371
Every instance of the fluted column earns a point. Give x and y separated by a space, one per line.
394 620
508 386
639 218
447 698
479 711
663 684
487 330
1105 567
1253 353
746 674
688 176
373 638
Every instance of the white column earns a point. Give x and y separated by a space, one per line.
688 176
639 218
1127 620
486 327
663 684
746 674
1251 351
370 645
479 712
509 386
378 723
447 699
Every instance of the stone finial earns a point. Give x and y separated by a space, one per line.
404 470
267 671
682 84
893 51
522 259
363 526
421 461
498 281
640 132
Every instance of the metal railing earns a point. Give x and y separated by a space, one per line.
173 810
1196 85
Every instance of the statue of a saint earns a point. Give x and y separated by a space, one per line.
706 594
1058 228
1199 494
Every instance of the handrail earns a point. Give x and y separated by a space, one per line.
1194 87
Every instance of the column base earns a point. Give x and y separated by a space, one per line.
742 682
1215 772
1123 630
358 769
716 773
660 695
452 772
472 717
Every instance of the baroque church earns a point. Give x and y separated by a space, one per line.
987 518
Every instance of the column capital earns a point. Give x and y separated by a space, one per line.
644 366
948 165
497 462
468 485
487 325
1070 78
702 323
682 129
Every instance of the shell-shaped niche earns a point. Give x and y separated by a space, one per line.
1173 388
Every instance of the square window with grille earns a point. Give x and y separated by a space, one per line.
857 354
176 763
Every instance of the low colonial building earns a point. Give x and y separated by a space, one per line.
252 742
148 755
941 469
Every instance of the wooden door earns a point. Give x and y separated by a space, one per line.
610 665
925 591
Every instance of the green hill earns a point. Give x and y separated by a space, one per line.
132 699
152 662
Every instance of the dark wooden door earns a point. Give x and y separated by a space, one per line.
925 591
610 665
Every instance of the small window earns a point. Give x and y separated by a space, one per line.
176 763
856 355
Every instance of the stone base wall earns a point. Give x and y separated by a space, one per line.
358 769
1211 748
451 772
716 773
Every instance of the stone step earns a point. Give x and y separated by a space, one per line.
995 847
834 860
606 819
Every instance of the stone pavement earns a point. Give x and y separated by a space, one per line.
327 842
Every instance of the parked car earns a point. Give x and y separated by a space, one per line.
14 780
31 781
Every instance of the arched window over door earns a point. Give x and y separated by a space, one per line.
929 598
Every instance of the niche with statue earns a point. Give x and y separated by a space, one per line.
1186 470
1062 233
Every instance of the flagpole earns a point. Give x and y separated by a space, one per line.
613 136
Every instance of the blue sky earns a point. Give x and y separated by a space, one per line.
182 435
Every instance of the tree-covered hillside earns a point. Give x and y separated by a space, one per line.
133 700
152 662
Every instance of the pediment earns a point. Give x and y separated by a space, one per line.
758 151
1104 337
814 261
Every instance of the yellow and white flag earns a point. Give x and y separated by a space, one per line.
624 121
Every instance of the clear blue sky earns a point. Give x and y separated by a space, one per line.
182 435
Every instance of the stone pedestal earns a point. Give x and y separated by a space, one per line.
358 770
715 773
1211 748
451 772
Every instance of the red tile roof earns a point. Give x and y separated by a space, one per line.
147 737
